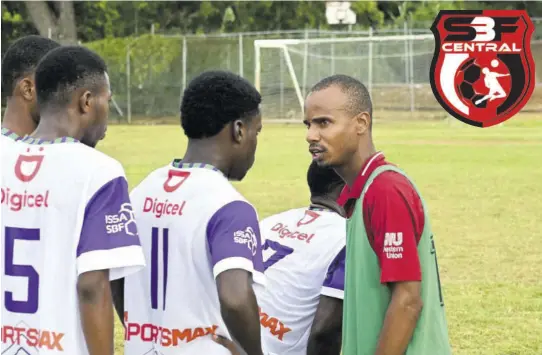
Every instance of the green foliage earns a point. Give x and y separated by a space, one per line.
103 19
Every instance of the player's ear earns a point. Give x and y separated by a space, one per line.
26 88
363 122
237 130
85 101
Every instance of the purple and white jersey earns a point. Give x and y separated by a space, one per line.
304 254
65 211
193 225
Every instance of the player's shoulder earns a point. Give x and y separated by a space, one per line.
291 214
90 159
331 224
210 187
157 177
218 188
391 182
391 188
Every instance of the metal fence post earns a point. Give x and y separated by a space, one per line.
411 72
241 57
370 64
128 86
185 55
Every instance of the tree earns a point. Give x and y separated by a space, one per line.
54 18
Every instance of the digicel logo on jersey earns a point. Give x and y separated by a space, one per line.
160 208
39 338
17 201
164 336
284 232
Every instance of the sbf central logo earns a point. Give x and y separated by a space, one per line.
482 71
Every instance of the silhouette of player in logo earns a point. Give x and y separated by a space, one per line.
491 81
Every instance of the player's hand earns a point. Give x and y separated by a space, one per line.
227 343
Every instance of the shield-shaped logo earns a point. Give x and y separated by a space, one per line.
483 71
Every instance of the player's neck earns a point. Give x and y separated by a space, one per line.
350 171
17 118
326 203
204 151
55 125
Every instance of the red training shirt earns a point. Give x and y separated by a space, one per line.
391 205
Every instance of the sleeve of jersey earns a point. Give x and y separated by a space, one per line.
109 238
392 228
233 236
334 282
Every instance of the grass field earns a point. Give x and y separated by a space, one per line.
483 188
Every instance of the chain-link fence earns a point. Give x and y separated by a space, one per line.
149 73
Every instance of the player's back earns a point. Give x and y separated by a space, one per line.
176 208
302 247
55 226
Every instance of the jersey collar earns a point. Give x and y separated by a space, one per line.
320 209
368 167
178 163
10 134
32 140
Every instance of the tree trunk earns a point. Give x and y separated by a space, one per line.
59 27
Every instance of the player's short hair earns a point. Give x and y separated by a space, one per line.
215 98
66 69
323 180
359 99
21 59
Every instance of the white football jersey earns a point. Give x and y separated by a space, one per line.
193 225
65 211
304 253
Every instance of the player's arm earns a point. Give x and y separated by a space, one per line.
108 249
96 310
239 308
326 330
233 237
117 292
392 211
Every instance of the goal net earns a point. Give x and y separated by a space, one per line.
395 69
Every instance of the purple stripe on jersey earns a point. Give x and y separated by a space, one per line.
165 263
109 221
154 268
335 273
234 231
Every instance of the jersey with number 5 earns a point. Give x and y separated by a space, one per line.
193 226
303 259
65 211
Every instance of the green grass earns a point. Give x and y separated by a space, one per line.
483 188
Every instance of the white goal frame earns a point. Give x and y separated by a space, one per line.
282 44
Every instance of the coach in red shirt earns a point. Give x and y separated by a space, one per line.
384 296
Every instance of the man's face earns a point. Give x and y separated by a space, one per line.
98 114
246 151
332 131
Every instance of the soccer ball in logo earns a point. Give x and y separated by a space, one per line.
467 76
471 85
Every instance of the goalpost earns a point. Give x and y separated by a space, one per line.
395 69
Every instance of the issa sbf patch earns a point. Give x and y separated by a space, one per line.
482 71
